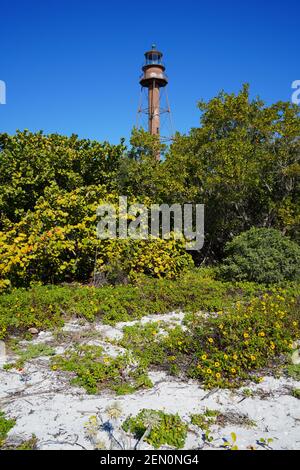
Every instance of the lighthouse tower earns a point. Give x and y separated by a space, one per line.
153 79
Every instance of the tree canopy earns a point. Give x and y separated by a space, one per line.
242 163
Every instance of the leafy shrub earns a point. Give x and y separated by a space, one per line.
163 428
31 162
261 255
57 242
4 285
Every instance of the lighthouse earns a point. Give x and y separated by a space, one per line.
153 78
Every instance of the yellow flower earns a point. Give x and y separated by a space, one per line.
225 356
208 371
210 340
294 323
199 366
272 346
233 370
217 364
246 335
203 357
253 358
218 375
179 343
262 333
235 357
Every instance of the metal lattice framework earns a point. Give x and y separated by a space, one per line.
167 126
154 110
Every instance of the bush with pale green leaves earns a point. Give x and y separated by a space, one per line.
261 255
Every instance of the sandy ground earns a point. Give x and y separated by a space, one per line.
45 404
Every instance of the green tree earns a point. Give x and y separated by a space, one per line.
140 170
242 163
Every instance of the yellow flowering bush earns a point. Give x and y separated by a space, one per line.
57 242
221 349
228 347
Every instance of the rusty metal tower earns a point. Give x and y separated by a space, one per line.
153 79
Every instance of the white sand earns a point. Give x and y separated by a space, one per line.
45 404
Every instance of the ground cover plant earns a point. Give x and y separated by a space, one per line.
95 370
31 352
27 444
162 428
224 349
49 306
206 419
210 418
5 426
293 370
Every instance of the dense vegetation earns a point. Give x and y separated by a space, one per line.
261 255
49 306
223 349
249 327
242 163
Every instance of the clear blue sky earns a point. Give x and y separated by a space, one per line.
73 66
